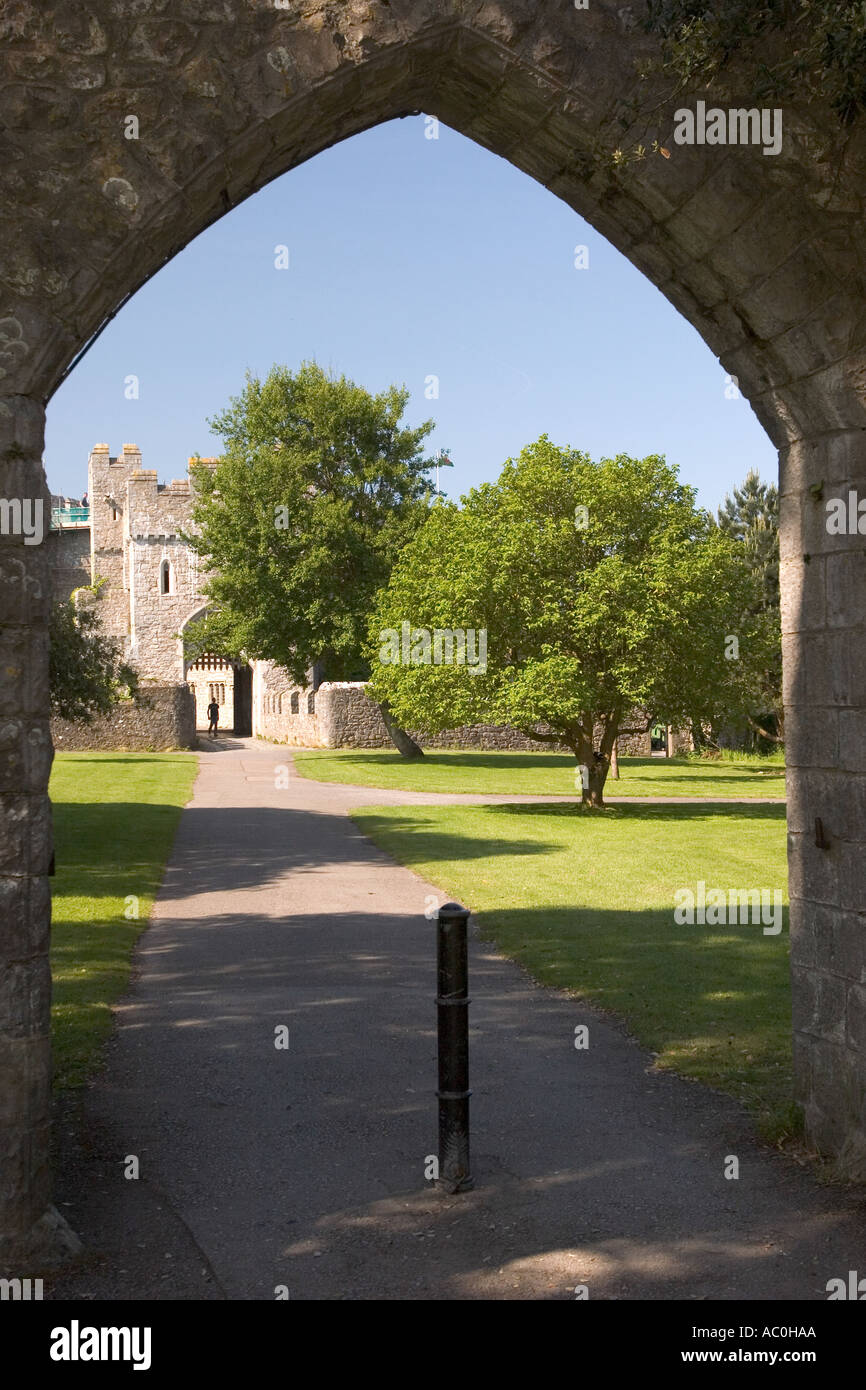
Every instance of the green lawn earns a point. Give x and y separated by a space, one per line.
545 774
584 900
115 816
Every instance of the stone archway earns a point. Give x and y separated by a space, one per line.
130 127
183 658
234 677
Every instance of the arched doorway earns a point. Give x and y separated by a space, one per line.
226 680
761 255
230 685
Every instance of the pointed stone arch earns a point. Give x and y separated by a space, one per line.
762 255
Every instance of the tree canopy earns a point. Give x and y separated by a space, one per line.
601 588
810 50
318 489
87 673
750 516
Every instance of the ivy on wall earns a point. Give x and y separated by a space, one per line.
804 50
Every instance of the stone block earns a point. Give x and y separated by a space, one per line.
836 459
829 399
25 1081
813 874
25 915
789 291
812 737
23 673
826 1097
819 340
846 584
26 841
839 801
852 740
796 664
856 1018
829 940
25 1181
818 1003
25 756
803 526
847 652
22 424
852 875
25 997
802 599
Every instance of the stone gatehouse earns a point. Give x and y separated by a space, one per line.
129 540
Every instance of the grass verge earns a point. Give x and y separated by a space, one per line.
540 774
115 817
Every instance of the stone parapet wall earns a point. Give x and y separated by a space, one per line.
485 736
296 730
273 689
162 718
346 718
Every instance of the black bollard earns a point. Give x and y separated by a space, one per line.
452 1005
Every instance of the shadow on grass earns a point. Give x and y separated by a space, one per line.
633 811
220 849
491 759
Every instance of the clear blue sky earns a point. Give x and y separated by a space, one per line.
411 257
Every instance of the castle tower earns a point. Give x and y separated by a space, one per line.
106 487
151 573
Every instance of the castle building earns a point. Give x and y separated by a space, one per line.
129 540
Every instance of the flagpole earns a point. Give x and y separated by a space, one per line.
444 455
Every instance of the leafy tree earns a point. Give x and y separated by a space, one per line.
601 588
88 676
748 54
809 50
751 517
318 489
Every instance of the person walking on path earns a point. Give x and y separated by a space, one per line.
213 714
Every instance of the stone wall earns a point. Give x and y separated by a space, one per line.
162 718
68 558
345 718
490 736
500 736
274 695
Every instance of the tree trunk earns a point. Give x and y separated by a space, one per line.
614 762
593 795
598 762
405 745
